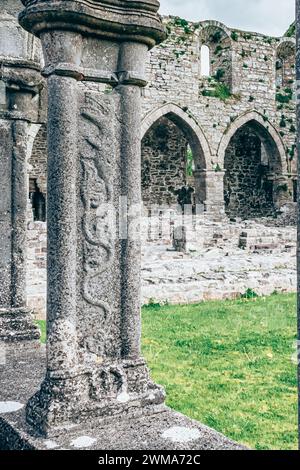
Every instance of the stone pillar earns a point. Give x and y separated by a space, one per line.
94 363
210 192
282 191
20 84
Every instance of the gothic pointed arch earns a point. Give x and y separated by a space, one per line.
265 130
254 159
189 126
175 153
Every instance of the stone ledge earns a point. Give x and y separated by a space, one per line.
158 428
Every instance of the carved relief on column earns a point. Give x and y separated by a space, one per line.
99 260
94 363
96 271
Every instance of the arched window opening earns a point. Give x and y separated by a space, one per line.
171 156
279 73
205 61
251 163
216 54
285 65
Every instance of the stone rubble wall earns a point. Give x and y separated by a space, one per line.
248 62
185 278
38 160
220 261
36 267
245 190
259 73
164 151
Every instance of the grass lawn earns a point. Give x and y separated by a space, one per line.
230 365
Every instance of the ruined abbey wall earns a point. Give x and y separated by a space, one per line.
230 136
252 80
250 84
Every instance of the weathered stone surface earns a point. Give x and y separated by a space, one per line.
157 428
246 64
16 324
219 260
94 364
19 61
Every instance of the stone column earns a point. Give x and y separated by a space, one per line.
210 187
21 81
94 364
282 191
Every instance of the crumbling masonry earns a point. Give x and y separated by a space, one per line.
227 132
239 121
230 135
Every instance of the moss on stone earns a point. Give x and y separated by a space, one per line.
291 30
221 91
218 49
219 74
281 98
216 37
282 122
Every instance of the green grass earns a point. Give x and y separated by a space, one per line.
42 325
229 365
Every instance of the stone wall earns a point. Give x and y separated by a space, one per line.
252 78
38 160
36 267
221 260
247 191
243 87
164 165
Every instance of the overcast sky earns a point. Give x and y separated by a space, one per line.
271 17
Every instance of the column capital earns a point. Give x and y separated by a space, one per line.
121 20
20 69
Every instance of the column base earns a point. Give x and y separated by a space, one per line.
215 212
114 389
151 427
17 326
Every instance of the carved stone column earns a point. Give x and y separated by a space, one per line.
94 365
20 84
